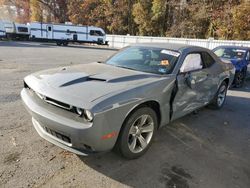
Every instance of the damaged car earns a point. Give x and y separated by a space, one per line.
239 56
122 102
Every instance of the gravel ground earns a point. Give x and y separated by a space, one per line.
207 149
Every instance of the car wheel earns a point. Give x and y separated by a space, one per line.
220 97
137 133
65 43
239 78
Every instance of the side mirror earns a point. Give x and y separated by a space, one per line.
190 80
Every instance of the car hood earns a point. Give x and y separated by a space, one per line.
233 61
238 63
82 85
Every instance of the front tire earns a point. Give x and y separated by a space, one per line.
220 97
137 133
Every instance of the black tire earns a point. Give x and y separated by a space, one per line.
124 144
239 78
58 43
9 36
216 103
65 43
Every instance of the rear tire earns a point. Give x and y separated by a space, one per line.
220 97
137 133
65 43
239 78
58 43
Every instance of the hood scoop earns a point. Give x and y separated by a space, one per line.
82 79
131 78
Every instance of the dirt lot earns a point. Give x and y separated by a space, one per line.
208 149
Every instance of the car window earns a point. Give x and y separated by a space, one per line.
22 29
191 62
96 33
230 53
145 59
134 54
207 59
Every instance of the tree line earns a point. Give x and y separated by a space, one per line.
220 19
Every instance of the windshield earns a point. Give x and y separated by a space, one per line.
145 59
230 53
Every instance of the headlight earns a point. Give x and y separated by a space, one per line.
88 115
79 111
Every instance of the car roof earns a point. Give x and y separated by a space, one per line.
238 47
170 46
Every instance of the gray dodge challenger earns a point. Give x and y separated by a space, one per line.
120 103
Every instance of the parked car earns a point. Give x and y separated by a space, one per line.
121 102
240 58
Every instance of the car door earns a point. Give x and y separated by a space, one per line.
195 85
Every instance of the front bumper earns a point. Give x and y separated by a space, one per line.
55 140
65 129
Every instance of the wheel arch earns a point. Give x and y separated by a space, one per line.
154 105
226 80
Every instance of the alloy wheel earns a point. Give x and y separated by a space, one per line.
222 95
140 133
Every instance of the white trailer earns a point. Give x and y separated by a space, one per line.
9 29
16 31
2 30
65 33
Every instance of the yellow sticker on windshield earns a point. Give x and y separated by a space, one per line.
165 62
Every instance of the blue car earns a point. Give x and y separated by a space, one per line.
239 57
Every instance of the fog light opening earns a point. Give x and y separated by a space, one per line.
87 147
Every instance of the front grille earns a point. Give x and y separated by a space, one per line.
57 135
58 103
52 101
